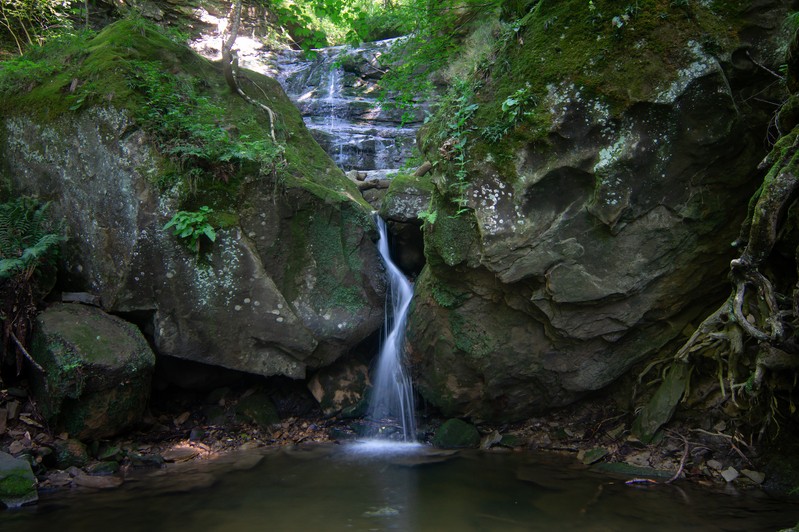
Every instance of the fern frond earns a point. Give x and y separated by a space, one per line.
25 239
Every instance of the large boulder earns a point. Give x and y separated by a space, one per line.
97 371
292 280
599 226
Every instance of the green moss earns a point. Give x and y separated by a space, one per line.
323 240
451 237
224 220
613 52
456 433
402 182
470 337
16 486
212 140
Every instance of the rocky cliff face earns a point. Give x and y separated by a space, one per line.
599 227
293 279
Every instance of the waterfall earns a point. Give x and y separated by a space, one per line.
337 94
333 99
392 394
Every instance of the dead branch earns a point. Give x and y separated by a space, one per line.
25 352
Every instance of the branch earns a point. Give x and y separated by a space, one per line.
25 352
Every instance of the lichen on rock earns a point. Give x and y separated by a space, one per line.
292 280
600 225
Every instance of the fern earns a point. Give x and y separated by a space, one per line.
26 237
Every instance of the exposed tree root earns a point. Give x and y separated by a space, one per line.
681 467
754 311
230 64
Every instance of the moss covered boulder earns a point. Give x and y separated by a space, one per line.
455 434
17 483
608 161
97 371
129 128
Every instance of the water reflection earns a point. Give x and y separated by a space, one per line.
399 487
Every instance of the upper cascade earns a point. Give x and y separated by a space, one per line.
337 94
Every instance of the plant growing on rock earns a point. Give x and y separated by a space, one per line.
192 225
515 108
28 245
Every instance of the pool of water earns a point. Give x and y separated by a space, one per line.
397 487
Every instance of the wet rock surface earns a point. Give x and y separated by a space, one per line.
17 483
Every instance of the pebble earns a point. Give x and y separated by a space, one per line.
182 418
755 476
180 454
730 474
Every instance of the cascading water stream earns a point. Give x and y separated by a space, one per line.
392 404
333 98
340 105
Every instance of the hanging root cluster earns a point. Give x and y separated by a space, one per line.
751 336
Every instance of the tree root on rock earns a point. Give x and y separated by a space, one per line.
752 312
230 64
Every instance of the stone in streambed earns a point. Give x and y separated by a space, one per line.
97 371
259 409
17 483
70 453
103 468
340 386
97 482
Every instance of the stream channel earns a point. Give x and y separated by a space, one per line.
385 485
360 487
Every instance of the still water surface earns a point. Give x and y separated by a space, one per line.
407 488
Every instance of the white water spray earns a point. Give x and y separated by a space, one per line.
392 395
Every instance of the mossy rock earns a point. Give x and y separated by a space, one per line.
259 409
17 483
97 371
583 237
292 281
103 468
70 453
628 470
406 197
456 434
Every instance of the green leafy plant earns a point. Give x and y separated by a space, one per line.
28 21
192 225
458 105
27 239
187 126
28 244
428 216
515 109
